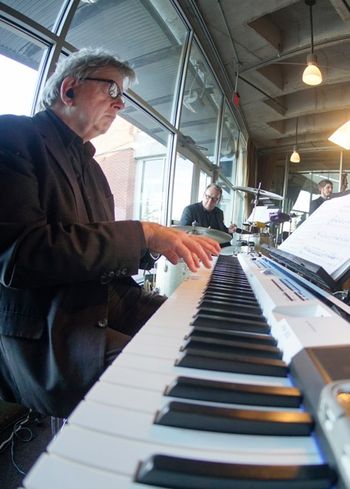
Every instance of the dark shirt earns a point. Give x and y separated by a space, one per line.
315 204
196 212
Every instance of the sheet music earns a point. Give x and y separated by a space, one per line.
262 213
324 238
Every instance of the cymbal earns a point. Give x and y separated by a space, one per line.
215 234
261 193
280 217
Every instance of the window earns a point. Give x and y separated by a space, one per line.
20 58
149 34
201 104
204 181
150 177
134 164
229 146
182 186
226 202
43 12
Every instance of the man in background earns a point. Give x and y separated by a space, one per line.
325 188
206 213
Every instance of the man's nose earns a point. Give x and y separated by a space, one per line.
118 104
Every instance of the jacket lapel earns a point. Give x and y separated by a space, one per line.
55 147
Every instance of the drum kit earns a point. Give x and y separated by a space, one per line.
264 221
257 232
169 276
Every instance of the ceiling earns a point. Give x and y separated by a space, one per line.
263 46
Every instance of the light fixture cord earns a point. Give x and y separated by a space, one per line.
296 133
312 30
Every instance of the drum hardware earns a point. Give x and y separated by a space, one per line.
259 195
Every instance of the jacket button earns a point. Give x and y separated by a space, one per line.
102 323
107 277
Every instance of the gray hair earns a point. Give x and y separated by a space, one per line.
216 186
80 65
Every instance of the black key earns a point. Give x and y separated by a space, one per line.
217 333
210 320
229 313
240 364
233 393
232 347
184 473
230 281
217 285
229 306
232 299
221 291
240 421
233 288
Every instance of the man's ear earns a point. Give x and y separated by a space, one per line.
67 89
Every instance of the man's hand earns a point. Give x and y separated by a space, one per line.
175 244
232 228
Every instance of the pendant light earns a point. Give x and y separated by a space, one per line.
295 157
341 136
312 74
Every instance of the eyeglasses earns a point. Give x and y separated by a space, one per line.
114 90
209 197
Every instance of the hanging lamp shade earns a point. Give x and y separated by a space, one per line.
341 136
295 157
312 74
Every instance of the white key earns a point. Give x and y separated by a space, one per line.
152 400
144 363
53 472
144 379
133 424
122 455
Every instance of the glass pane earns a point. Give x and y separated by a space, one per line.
241 209
204 181
182 187
150 176
149 34
201 104
134 164
226 202
43 12
20 59
229 146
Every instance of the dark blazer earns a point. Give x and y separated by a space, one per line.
54 269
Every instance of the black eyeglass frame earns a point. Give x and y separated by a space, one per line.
114 91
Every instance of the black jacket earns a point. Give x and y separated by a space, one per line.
54 266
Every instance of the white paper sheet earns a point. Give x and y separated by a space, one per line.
324 238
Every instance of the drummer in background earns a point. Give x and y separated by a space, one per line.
206 213
326 189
